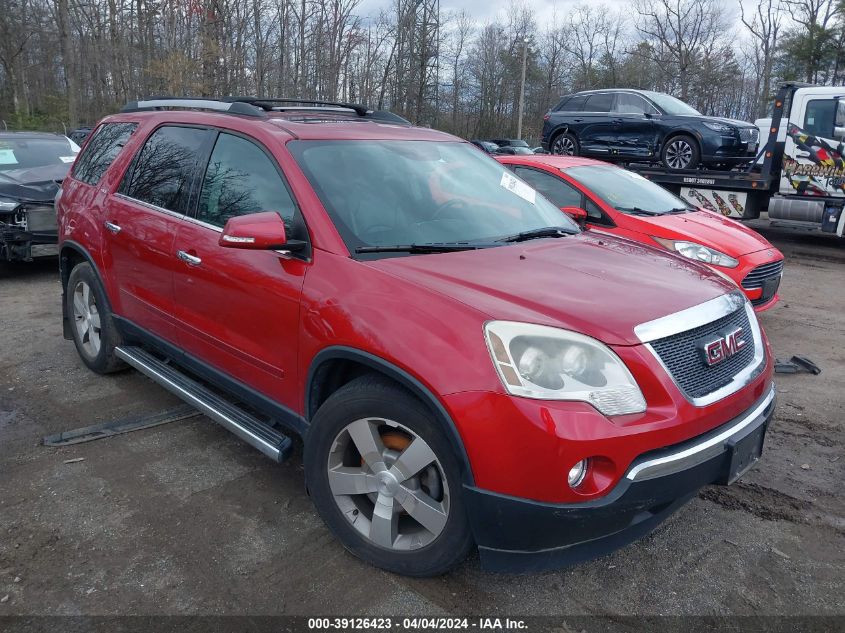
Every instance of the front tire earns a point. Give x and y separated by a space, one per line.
680 152
386 480
566 145
94 332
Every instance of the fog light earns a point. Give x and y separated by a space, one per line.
577 473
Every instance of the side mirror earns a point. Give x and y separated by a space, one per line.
576 213
258 231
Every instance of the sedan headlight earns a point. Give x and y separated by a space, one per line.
547 363
698 252
719 127
8 204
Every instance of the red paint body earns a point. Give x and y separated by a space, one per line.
703 227
261 317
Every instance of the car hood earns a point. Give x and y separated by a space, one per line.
710 229
716 119
37 184
600 286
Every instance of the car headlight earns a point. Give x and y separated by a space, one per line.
547 363
698 252
718 127
8 204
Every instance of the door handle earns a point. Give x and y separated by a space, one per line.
111 226
191 260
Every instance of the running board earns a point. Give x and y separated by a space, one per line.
261 435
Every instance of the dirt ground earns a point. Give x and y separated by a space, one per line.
186 519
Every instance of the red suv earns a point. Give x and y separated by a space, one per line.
613 200
464 366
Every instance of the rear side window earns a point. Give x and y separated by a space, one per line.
241 179
558 192
101 151
599 102
163 169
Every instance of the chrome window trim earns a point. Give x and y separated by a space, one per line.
697 316
173 214
699 453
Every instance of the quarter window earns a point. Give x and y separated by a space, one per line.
101 151
165 167
572 104
241 179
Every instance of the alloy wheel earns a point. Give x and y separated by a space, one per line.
389 484
679 154
563 146
86 318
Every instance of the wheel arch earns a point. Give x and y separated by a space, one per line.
563 128
333 367
671 134
70 255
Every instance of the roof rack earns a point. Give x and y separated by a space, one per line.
259 106
156 103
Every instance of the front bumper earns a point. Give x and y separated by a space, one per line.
519 535
727 149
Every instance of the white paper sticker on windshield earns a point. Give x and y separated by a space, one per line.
515 185
7 157
67 159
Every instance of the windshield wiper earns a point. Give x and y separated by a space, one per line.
546 231
435 247
677 210
637 211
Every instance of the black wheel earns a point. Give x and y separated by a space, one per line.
94 331
680 152
565 145
386 480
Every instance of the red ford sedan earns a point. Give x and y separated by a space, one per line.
614 200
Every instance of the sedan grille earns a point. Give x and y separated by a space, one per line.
749 134
758 276
683 355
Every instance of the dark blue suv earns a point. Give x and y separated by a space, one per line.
645 126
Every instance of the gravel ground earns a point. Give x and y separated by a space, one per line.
185 519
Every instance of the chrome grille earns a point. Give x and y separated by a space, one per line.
749 134
683 355
757 277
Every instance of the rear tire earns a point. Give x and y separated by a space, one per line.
680 152
94 332
412 525
565 145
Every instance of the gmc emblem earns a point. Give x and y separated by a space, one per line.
723 348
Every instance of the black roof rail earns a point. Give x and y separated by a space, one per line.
199 103
278 104
258 106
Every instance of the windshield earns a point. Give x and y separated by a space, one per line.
626 191
26 153
389 192
671 105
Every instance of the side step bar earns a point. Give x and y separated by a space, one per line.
264 437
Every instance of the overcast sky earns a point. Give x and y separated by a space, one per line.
484 11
